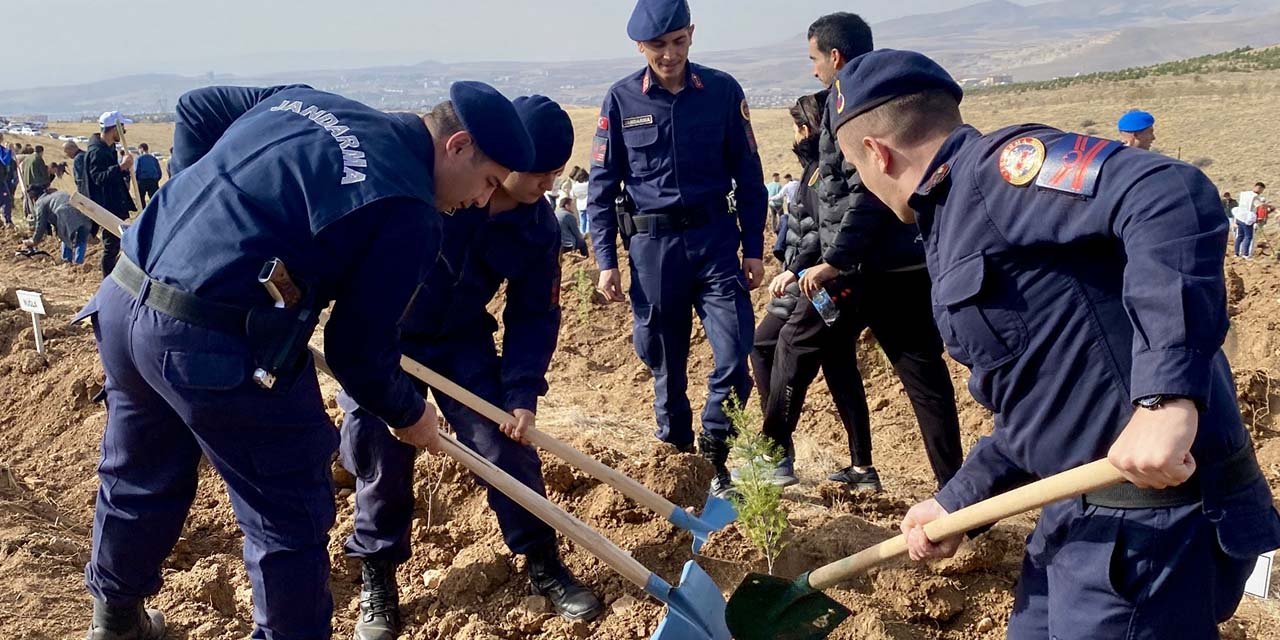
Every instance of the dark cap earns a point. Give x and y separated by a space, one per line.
549 128
491 119
656 18
875 78
1135 121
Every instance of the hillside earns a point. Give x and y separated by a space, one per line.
1032 42
462 584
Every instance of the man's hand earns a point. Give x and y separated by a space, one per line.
815 277
423 434
126 163
778 287
524 421
919 546
1154 450
610 286
753 268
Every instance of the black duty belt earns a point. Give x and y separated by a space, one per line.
675 219
1237 471
177 303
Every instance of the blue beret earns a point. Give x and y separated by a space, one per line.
491 119
550 129
1136 121
875 78
656 18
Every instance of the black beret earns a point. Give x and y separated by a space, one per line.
549 128
875 78
492 120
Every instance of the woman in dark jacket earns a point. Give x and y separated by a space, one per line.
793 317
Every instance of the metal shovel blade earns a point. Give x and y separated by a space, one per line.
695 609
769 608
716 515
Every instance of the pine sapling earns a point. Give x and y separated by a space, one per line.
758 500
584 290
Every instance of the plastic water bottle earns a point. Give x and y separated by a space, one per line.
824 304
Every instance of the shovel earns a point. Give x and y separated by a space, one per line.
695 608
716 514
768 608
96 213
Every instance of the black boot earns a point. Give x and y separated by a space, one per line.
716 452
125 623
550 579
379 601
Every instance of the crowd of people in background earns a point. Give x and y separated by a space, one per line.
104 173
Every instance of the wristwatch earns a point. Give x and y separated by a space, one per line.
1155 401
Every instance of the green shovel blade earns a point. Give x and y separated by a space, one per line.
769 608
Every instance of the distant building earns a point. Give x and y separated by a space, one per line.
996 80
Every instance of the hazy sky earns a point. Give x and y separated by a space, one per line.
113 37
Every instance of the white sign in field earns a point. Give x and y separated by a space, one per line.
31 302
1259 583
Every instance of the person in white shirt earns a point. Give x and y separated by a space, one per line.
578 191
1246 215
789 188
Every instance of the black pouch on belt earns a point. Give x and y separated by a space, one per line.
278 342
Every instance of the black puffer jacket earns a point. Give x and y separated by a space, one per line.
859 233
803 245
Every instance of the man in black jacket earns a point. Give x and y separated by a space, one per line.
107 176
874 267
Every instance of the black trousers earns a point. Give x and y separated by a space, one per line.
147 187
897 309
110 252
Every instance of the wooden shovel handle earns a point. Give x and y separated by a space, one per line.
573 528
96 213
606 474
1071 483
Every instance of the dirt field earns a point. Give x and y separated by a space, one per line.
462 583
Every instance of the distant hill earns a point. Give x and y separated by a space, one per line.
1060 38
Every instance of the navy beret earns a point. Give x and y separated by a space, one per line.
491 119
875 78
1136 121
550 129
656 18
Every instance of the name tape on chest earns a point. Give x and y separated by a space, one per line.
347 142
637 121
1073 164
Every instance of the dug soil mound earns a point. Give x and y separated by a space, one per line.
461 581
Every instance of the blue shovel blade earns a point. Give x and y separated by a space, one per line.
695 609
716 515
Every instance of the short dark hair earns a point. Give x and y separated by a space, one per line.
445 119
563 202
144 147
845 32
1259 184
775 174
787 176
910 119
39 148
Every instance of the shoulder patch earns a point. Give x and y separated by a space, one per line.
1021 160
599 150
1074 162
751 137
746 110
603 123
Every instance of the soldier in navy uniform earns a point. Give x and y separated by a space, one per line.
678 136
1137 129
202 359
1082 283
516 240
